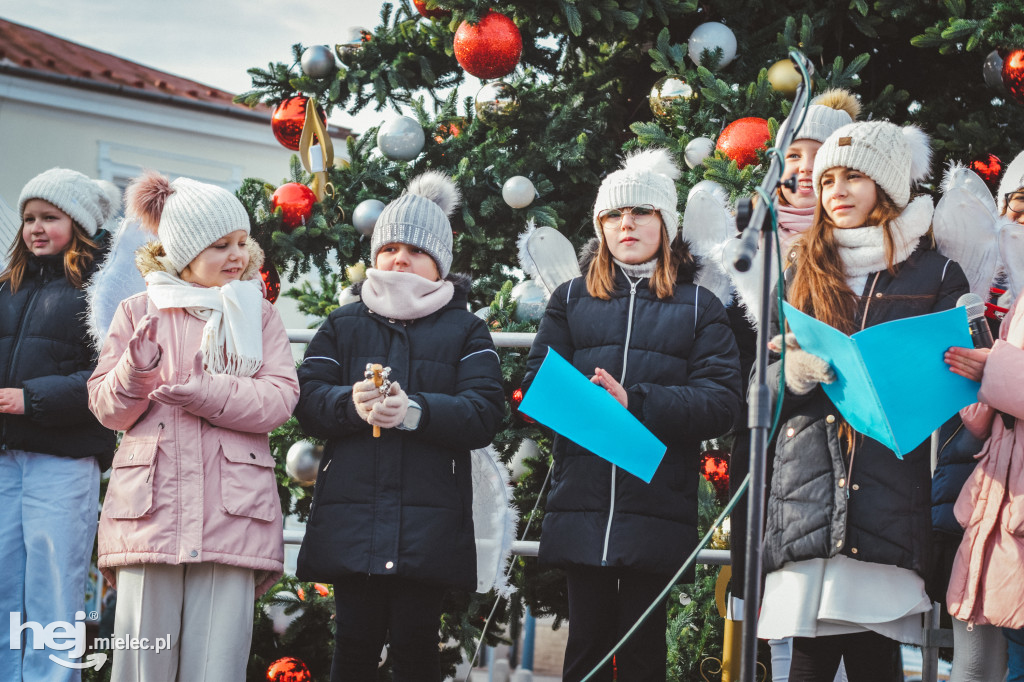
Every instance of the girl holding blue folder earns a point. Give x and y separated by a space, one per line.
662 347
848 522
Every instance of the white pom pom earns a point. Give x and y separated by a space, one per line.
656 160
437 187
920 152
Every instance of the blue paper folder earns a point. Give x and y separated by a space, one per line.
565 401
891 381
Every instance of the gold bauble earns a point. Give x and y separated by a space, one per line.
671 96
784 77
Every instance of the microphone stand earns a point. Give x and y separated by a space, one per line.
754 224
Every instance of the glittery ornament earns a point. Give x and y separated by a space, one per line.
296 203
349 50
437 12
271 281
288 119
496 103
714 466
784 77
742 138
489 49
672 96
992 70
711 36
318 62
288 669
1013 75
989 168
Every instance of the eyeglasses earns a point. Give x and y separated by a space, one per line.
1015 201
611 218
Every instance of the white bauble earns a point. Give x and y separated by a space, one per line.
401 139
527 450
709 36
518 191
531 301
698 149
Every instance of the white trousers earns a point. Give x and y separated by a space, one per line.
200 613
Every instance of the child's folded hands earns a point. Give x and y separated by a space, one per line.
390 412
184 395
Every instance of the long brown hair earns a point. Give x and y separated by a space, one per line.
601 273
819 283
78 256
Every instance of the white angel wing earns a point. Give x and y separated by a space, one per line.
10 228
547 256
494 521
1011 249
116 280
707 225
966 227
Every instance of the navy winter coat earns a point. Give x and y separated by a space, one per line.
678 362
45 349
401 504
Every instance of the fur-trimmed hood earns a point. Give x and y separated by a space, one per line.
689 264
151 257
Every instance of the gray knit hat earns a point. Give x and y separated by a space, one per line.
90 203
186 215
892 156
828 111
646 177
420 218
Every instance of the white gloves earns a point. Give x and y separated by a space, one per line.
804 371
390 412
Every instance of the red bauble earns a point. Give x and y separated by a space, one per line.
321 589
271 281
296 203
517 397
421 7
714 466
1013 75
288 119
988 168
490 49
742 138
288 669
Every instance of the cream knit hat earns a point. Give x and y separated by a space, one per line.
646 177
892 156
186 215
1013 179
90 203
830 110
420 218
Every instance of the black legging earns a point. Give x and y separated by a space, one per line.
868 657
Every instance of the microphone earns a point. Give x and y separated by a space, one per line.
981 333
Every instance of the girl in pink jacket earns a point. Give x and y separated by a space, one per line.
196 371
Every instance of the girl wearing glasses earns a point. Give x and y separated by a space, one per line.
848 522
662 347
985 586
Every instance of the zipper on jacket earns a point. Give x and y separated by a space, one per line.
622 377
863 326
14 352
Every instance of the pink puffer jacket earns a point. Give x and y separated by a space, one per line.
192 487
986 584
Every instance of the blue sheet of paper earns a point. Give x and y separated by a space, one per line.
891 381
565 401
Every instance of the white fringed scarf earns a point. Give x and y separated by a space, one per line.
232 340
404 295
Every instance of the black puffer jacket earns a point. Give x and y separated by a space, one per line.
45 350
401 504
872 505
682 376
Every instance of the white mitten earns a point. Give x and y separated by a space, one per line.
390 412
364 396
804 371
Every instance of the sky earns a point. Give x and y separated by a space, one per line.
213 42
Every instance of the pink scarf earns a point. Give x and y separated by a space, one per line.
404 295
792 223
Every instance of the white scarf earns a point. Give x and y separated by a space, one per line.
232 340
404 295
863 248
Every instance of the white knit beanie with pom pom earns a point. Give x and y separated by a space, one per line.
1013 180
828 111
420 218
646 177
894 157
90 203
186 215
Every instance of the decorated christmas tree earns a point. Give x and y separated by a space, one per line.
568 86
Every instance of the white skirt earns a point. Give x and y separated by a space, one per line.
838 596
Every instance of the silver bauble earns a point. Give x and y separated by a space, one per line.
303 462
318 62
709 36
518 191
401 139
365 216
496 103
531 301
698 149
993 71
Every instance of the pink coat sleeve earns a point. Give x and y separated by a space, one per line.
260 403
1000 384
118 391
